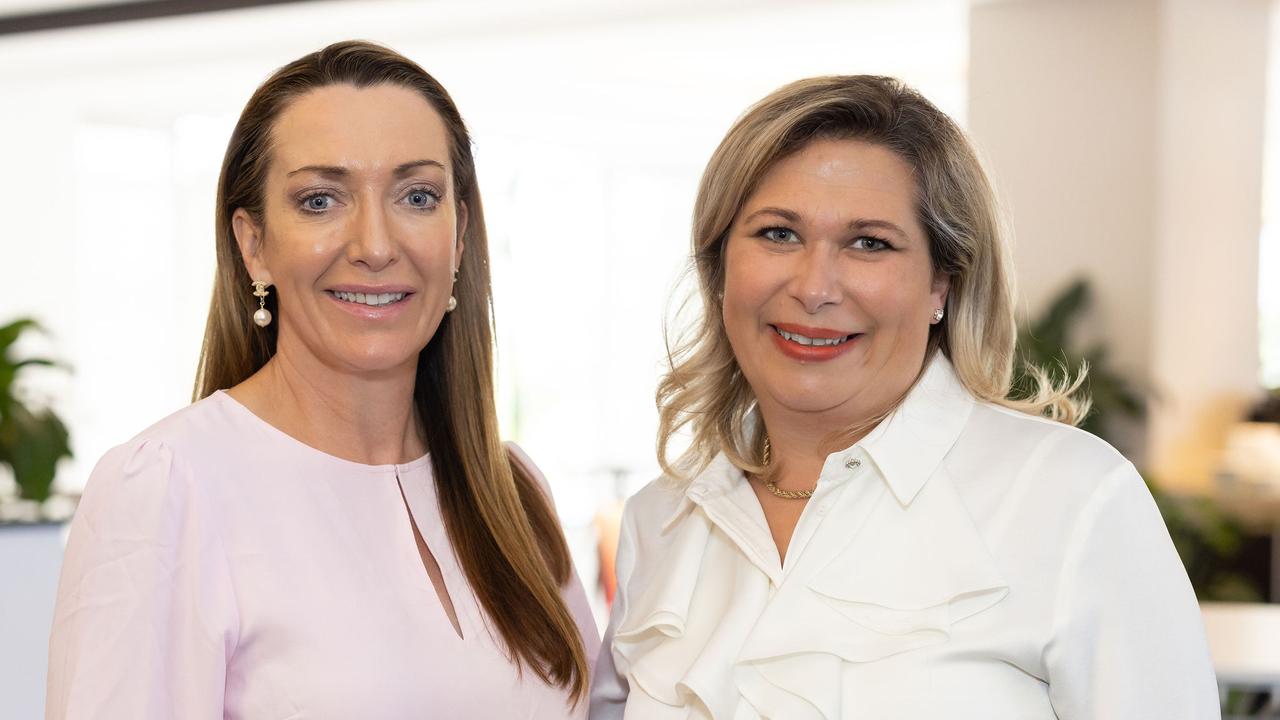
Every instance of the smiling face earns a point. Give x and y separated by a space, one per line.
829 290
360 234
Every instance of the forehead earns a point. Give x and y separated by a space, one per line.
842 172
360 128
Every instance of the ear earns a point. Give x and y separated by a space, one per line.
462 232
938 290
249 239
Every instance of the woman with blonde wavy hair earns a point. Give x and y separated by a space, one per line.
334 529
865 525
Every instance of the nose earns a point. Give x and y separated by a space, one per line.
371 243
816 281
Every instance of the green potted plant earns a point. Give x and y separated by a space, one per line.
32 439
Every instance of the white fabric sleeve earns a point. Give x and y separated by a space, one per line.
145 615
1128 640
609 687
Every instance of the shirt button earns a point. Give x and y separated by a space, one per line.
853 463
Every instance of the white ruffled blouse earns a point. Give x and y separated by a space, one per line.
961 561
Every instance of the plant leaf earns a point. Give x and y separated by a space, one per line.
35 443
9 333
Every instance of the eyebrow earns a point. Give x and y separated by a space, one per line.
794 217
339 171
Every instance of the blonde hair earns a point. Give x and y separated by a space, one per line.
502 527
704 388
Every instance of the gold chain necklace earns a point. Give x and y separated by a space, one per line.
773 486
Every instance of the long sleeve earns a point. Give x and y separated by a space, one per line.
1128 640
575 597
609 688
145 614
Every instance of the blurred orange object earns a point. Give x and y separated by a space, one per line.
608 522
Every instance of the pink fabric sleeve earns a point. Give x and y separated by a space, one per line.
575 597
145 615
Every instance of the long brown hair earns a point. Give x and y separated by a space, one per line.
502 527
704 387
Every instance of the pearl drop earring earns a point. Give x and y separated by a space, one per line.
453 301
261 317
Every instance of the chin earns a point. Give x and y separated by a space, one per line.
815 403
378 359
809 397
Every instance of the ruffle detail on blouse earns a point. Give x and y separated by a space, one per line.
653 626
904 576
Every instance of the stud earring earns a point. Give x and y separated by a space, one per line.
262 316
937 316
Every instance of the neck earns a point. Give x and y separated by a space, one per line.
800 442
367 418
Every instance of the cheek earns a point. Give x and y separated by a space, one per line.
743 298
431 240
296 245
751 279
294 259
893 298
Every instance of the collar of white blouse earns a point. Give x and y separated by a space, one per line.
905 448
904 453
885 550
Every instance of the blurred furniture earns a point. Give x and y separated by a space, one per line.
1248 484
1244 641
30 559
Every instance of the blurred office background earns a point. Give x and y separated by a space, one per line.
1135 145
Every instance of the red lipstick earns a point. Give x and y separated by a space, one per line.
797 350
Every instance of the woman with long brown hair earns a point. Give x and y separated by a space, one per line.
334 529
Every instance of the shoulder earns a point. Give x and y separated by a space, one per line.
1004 441
655 503
215 420
995 424
520 459
207 426
1048 473
159 459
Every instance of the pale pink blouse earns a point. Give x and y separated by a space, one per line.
218 568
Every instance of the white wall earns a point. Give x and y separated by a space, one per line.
1205 359
1127 139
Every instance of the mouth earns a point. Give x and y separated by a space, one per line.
369 299
806 340
812 345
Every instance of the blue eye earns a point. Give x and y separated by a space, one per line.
422 199
317 202
778 235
